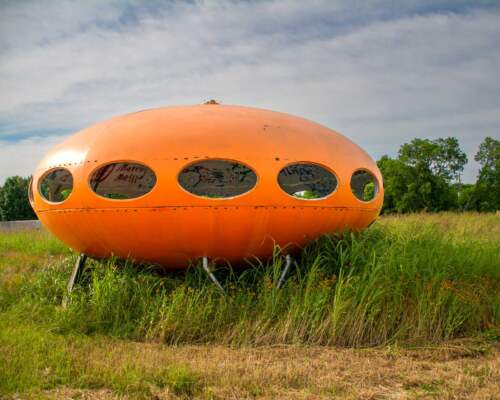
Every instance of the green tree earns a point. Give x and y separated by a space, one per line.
442 157
466 197
422 175
397 177
487 190
14 202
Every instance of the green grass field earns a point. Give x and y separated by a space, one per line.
406 283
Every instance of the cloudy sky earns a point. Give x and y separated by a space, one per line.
381 72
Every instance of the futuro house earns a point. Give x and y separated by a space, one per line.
175 184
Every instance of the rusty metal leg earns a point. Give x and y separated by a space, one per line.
285 271
75 277
211 275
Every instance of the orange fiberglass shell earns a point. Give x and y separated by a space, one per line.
175 184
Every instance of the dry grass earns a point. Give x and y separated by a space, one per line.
457 370
470 225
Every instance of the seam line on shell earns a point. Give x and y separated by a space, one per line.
225 207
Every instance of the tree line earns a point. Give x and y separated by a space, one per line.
425 176
14 202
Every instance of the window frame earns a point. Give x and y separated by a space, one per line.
317 164
123 161
31 194
230 160
42 178
377 183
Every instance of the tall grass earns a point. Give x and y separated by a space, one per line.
417 279
30 242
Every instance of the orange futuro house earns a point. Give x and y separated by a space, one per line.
175 184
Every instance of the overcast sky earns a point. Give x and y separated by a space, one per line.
380 72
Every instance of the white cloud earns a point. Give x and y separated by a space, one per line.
379 80
21 157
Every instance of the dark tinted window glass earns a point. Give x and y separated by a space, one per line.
364 185
123 180
56 186
217 178
307 181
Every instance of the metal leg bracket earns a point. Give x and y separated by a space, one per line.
211 275
75 277
288 262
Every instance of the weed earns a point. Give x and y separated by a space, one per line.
398 281
180 380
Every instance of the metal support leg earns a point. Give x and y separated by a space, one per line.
75 277
285 271
211 275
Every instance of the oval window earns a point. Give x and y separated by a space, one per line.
364 185
122 180
307 181
56 185
30 191
217 178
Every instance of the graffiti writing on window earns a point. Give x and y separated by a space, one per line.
123 180
307 181
217 178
